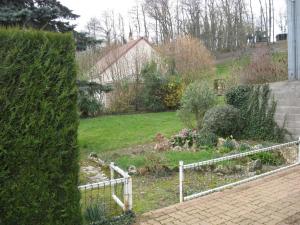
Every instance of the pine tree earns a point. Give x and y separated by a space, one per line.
43 15
83 41
39 14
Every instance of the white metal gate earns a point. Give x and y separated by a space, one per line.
127 195
125 202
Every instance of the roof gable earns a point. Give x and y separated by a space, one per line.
114 55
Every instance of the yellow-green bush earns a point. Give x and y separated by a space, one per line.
173 93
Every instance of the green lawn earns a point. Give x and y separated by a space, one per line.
108 133
223 70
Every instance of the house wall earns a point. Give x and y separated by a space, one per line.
128 66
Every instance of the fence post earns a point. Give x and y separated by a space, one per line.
299 151
112 176
127 193
181 181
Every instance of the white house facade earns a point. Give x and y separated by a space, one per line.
124 62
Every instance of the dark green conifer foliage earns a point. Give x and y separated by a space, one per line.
39 14
38 129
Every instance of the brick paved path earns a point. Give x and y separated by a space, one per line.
271 200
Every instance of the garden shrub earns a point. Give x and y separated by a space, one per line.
185 137
152 91
244 147
189 57
257 109
152 96
196 100
88 106
122 98
269 158
264 68
128 218
238 96
95 214
223 120
206 139
173 90
156 164
260 122
89 98
229 144
38 148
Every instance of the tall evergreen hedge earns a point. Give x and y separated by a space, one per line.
38 129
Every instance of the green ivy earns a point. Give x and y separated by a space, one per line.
38 148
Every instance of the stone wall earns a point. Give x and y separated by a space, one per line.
287 95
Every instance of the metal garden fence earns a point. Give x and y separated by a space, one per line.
202 178
113 196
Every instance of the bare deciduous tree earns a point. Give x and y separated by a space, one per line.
93 27
222 25
190 58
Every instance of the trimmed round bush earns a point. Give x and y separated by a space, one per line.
224 120
206 138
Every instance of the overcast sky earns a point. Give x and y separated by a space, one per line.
93 8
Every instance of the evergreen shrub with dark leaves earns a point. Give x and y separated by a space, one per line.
152 96
260 122
89 98
258 108
38 148
238 96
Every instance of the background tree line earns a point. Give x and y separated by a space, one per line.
222 25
